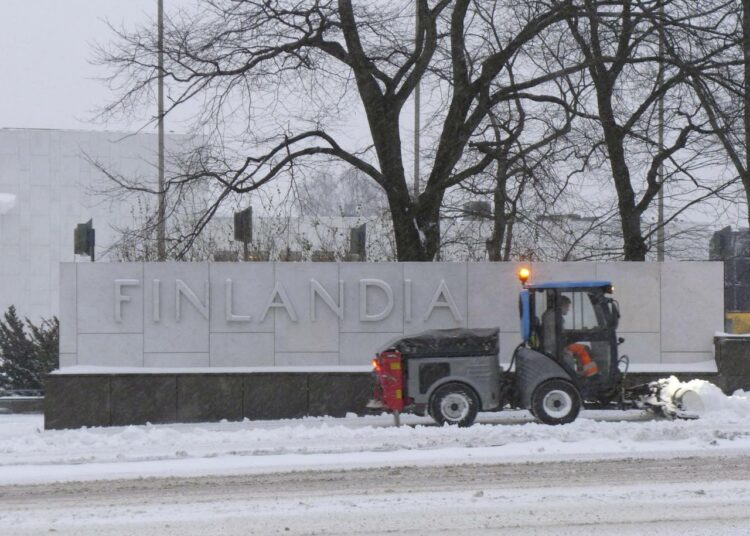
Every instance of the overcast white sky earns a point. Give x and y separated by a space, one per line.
47 80
46 46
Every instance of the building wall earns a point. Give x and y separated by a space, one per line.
56 188
312 314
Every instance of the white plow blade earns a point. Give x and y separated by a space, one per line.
689 404
674 399
688 400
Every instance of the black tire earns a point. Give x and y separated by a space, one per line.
556 402
455 404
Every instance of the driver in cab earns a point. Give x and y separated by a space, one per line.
585 366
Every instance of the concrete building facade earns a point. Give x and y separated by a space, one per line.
53 186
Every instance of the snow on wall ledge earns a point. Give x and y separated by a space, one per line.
163 315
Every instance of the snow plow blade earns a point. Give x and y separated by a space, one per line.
668 399
688 403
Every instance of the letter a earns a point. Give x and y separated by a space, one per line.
443 298
280 292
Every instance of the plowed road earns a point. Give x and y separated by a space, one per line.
690 496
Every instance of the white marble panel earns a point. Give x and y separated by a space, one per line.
187 332
110 349
39 170
484 295
9 142
692 305
12 236
442 283
358 349
307 359
508 343
637 290
39 234
71 147
39 142
68 316
42 264
251 285
175 359
68 360
389 276
7 168
41 287
641 347
561 271
305 334
97 306
493 295
242 350
686 357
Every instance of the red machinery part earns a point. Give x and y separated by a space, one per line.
389 370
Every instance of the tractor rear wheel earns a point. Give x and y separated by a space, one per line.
556 402
455 404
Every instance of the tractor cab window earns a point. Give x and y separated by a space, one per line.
580 314
543 320
585 335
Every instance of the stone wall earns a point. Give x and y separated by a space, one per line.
230 315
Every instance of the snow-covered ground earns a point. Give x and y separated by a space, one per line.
29 455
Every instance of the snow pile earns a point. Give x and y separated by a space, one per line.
29 454
712 399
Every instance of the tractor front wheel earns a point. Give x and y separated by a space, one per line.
556 402
455 404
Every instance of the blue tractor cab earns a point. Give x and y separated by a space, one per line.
569 352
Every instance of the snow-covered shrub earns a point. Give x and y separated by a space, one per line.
27 352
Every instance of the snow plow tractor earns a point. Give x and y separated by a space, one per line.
568 359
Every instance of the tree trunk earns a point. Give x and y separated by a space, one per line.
405 213
500 217
409 243
745 174
508 239
634 245
428 222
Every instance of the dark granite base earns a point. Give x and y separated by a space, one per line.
75 401
22 405
138 399
72 401
209 398
328 391
275 396
733 355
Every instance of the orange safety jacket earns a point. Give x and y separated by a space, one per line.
587 367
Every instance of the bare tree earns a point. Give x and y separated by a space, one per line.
520 166
721 83
140 241
527 139
620 42
307 64
348 194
